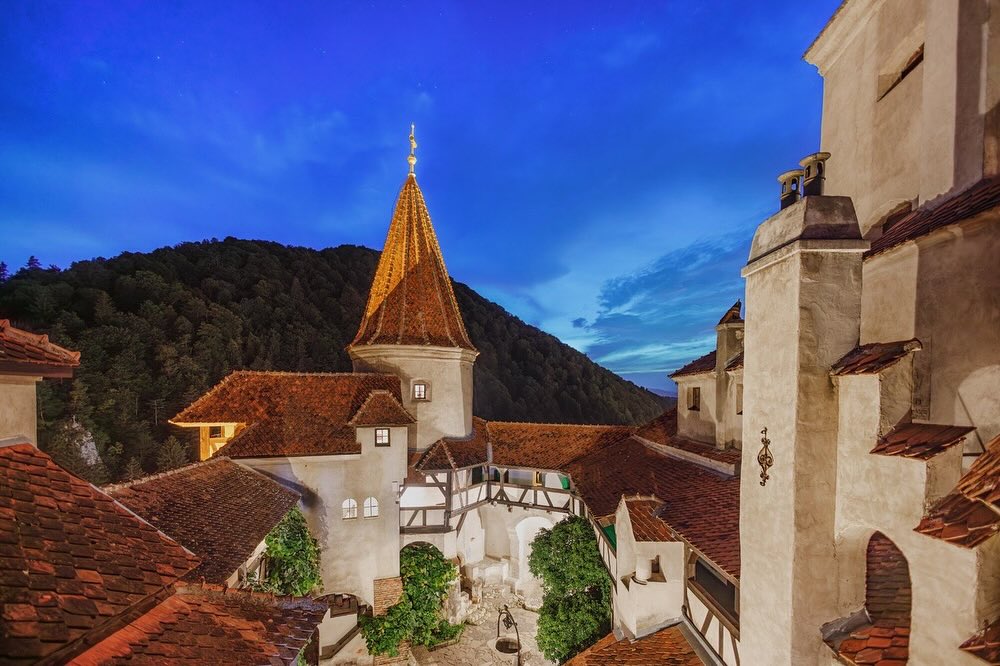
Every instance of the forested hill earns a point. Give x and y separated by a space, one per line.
156 330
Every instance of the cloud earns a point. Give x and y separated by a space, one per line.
663 315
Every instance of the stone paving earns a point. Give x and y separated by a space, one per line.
475 646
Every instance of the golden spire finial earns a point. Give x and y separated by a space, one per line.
412 159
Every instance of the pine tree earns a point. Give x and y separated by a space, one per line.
33 263
133 470
4 272
172 454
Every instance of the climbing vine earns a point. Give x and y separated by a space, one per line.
292 557
417 617
576 605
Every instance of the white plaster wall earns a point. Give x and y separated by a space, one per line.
448 373
471 540
17 408
697 425
353 552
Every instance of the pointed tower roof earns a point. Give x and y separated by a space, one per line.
411 300
732 315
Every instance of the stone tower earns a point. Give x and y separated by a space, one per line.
412 327
803 287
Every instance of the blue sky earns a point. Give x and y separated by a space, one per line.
597 168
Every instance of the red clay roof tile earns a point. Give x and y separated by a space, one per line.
920 440
33 353
454 453
411 300
72 560
873 357
209 626
381 408
663 430
549 445
971 513
985 644
701 364
666 647
217 509
645 518
701 507
939 213
286 413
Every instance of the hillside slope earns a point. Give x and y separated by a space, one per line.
158 329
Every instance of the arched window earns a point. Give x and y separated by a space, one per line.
350 509
371 507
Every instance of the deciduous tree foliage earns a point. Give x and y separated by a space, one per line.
292 557
156 330
417 617
576 605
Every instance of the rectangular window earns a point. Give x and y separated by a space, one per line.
381 437
720 591
739 399
694 399
477 475
214 432
420 391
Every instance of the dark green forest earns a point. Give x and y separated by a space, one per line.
157 329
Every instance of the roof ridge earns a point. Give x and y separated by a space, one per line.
574 425
120 485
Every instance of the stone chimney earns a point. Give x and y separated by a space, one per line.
814 173
791 183
803 290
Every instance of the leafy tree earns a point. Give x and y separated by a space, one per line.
576 605
33 263
172 454
417 617
133 470
292 557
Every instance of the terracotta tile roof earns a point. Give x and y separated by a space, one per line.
666 647
873 357
72 560
985 644
452 453
704 363
736 363
549 445
381 408
662 429
33 353
217 509
970 514
411 301
885 638
206 625
920 440
732 315
728 456
700 506
287 413
645 519
939 213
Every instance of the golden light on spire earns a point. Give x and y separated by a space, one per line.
412 159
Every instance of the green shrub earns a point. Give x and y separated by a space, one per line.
292 557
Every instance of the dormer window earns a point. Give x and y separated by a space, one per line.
694 399
381 437
420 391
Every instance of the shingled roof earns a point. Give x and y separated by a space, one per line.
666 647
381 408
73 562
701 364
873 357
643 513
22 352
208 625
922 441
456 453
217 509
287 413
701 506
411 300
941 212
970 514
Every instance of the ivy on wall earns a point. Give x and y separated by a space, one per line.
292 557
576 605
417 617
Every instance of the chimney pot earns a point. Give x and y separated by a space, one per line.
791 183
814 168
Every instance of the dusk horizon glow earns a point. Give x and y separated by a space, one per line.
597 172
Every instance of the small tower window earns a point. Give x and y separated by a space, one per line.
214 432
381 437
371 507
420 391
694 399
350 509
